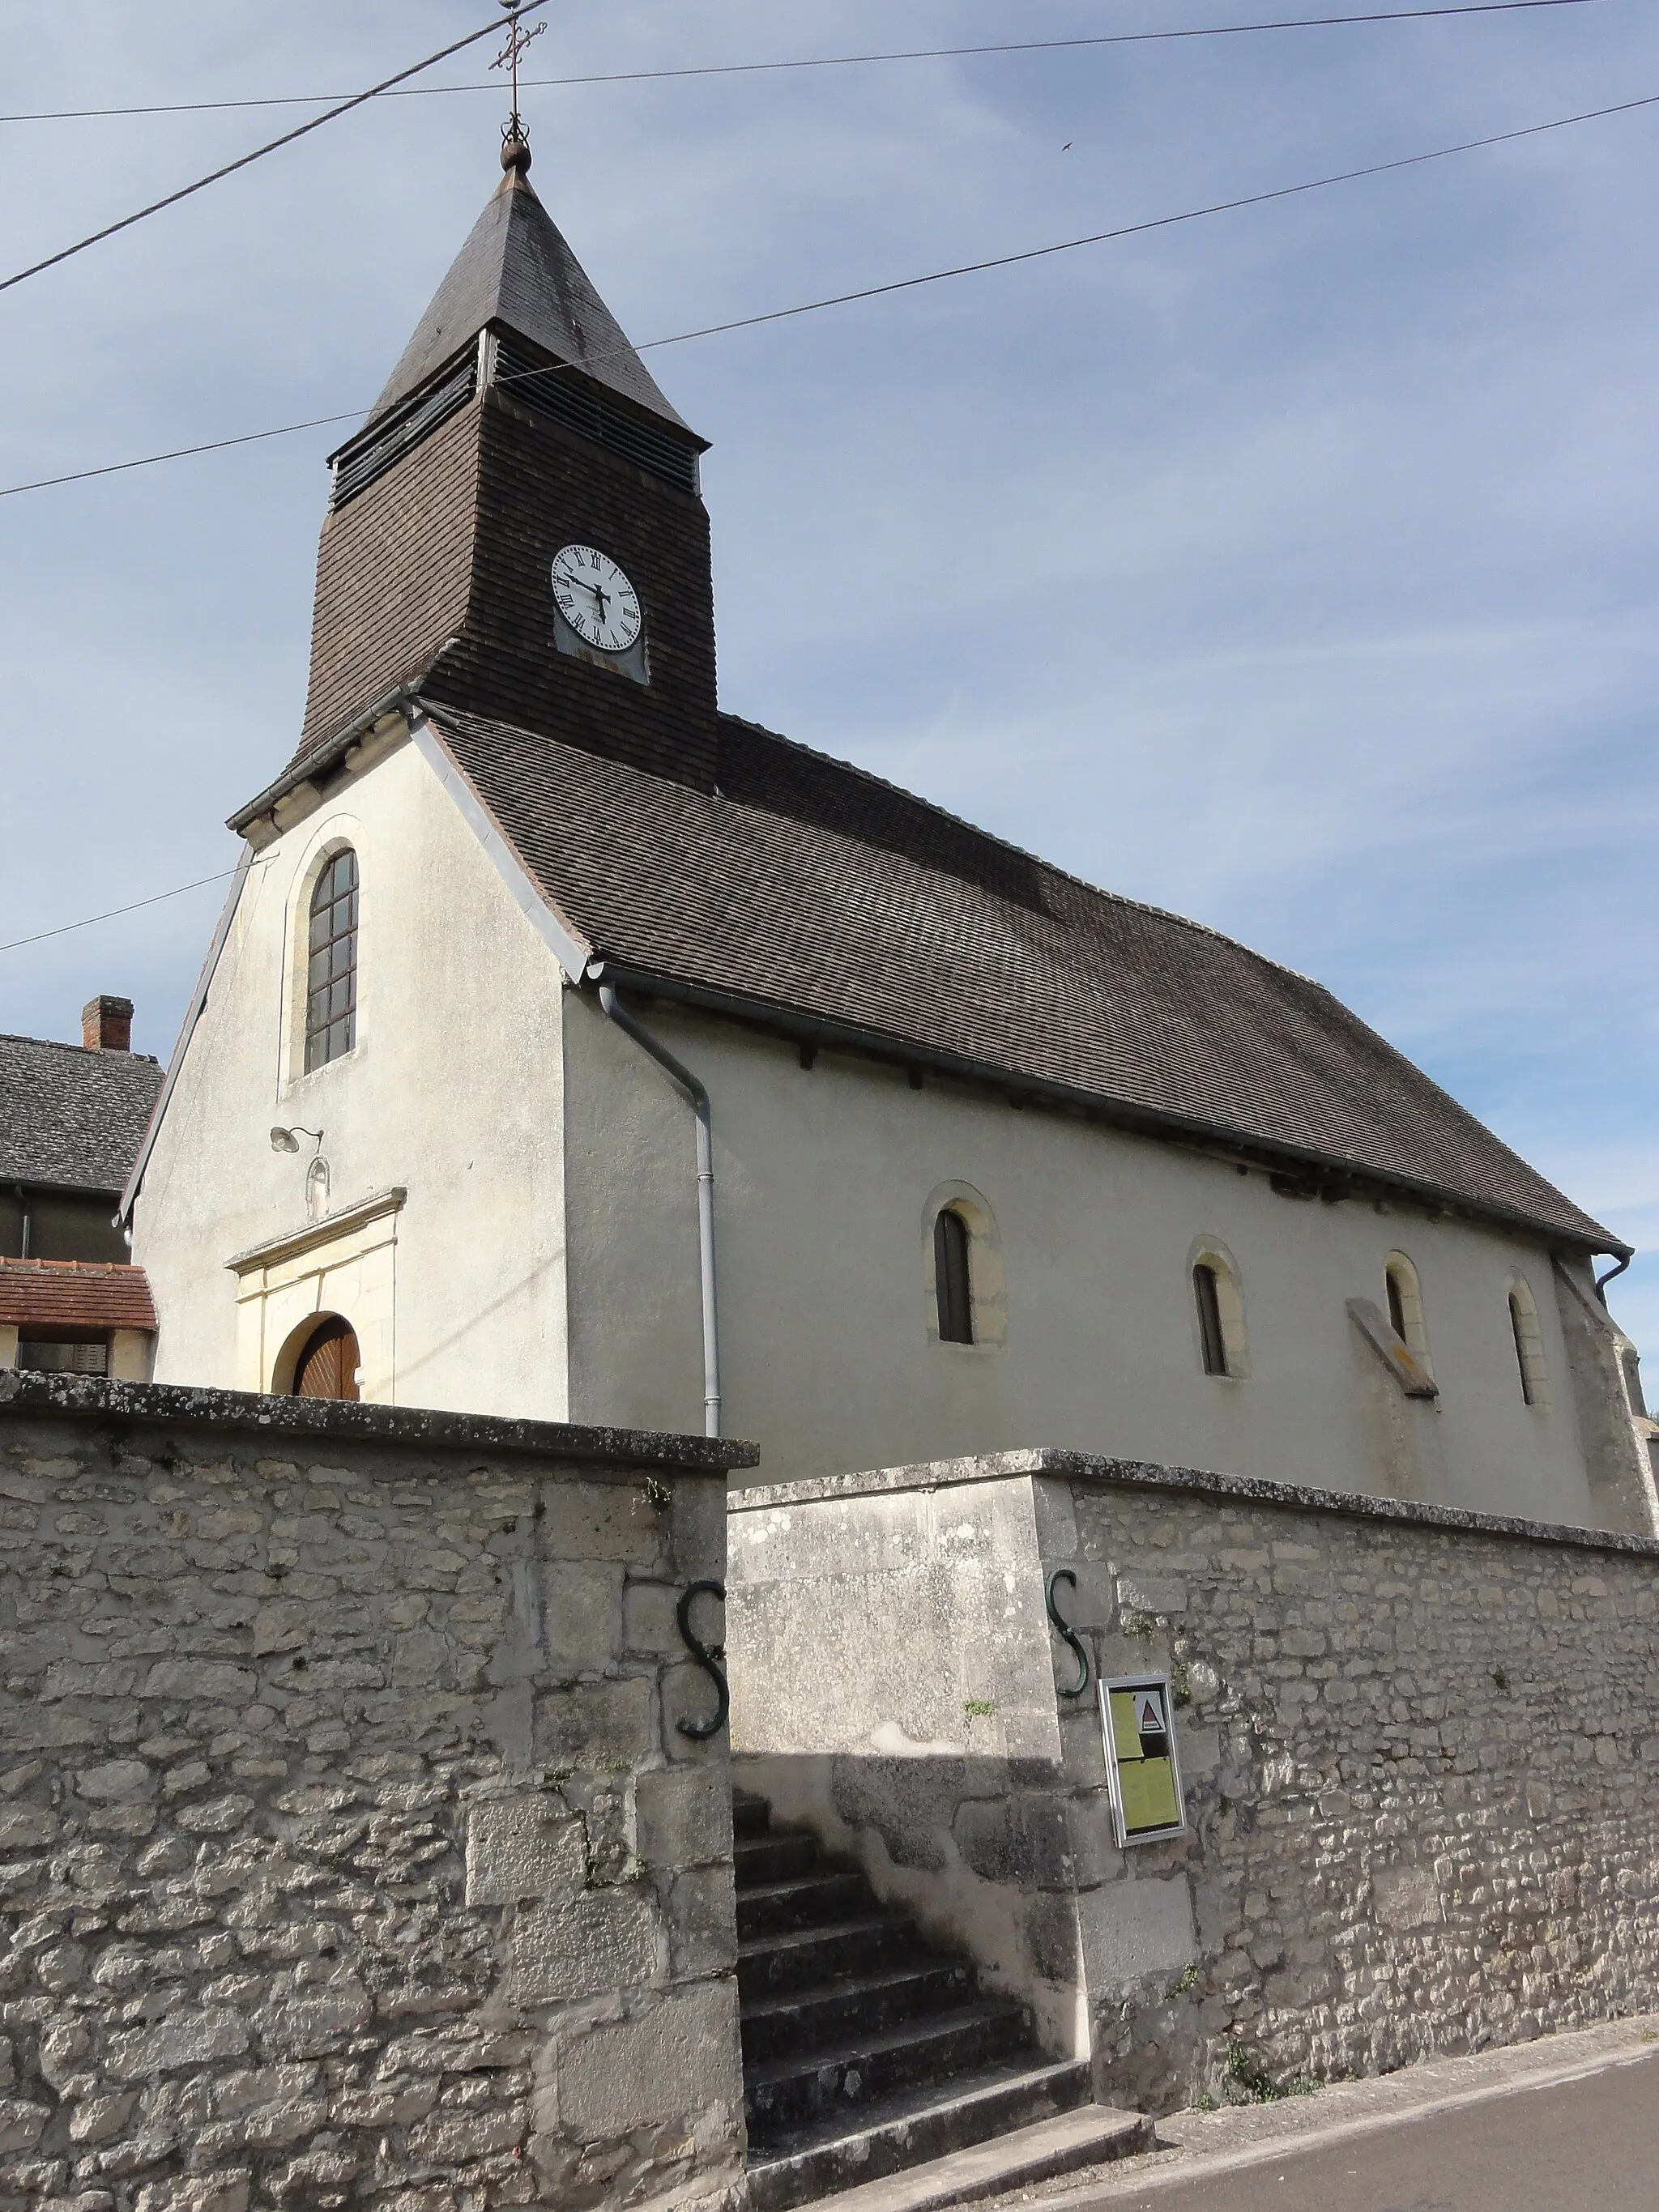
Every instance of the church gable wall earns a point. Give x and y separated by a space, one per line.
828 1323
451 1095
1418 1749
354 1852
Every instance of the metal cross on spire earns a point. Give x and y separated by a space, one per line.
514 142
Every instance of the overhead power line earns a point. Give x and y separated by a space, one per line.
915 283
246 160
64 928
819 62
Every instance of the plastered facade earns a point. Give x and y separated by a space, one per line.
353 1854
1419 1749
543 1257
826 1181
457 1294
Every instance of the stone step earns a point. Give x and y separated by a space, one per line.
807 1958
840 2013
784 2093
899 2133
1095 2135
751 1815
776 1857
810 1900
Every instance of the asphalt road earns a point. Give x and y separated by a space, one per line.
1589 2145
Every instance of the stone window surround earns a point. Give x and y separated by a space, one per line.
1529 1343
987 1282
1210 1252
329 836
1399 1270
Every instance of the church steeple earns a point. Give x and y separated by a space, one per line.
520 424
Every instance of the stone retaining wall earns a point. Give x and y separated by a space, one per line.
1421 1753
350 1851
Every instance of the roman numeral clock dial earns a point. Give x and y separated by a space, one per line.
596 598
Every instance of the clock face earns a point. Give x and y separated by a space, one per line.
596 598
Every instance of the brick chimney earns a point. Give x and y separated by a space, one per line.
106 1024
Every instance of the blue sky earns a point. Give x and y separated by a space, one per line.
1294 569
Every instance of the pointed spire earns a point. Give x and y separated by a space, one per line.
517 272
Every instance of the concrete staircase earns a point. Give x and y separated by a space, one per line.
866 2053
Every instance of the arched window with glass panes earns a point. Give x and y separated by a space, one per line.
331 973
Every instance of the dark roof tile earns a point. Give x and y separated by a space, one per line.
71 1118
516 268
810 887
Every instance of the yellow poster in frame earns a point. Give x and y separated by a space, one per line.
1142 1764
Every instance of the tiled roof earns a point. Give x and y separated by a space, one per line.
69 1117
78 1294
808 887
516 268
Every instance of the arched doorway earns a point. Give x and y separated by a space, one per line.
327 1364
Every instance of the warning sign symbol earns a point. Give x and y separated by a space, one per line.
1149 1713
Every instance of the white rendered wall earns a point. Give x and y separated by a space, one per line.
822 1180
452 1093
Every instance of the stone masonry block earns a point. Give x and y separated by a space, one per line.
582 1601
189 2038
603 1725
610 1521
650 1624
669 2063
683 1818
1138 1592
702 1924
201 1681
607 1940
1406 1897
699 1531
524 1847
1133 1929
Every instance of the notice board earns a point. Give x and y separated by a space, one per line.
1137 1717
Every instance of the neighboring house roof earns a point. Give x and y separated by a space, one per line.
811 888
516 268
69 1118
80 1294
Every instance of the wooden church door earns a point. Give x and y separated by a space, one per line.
327 1368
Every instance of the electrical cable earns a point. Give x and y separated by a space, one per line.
245 161
64 928
823 61
905 283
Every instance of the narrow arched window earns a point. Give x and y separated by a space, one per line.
1213 1339
331 974
1528 1344
1518 1330
1404 1294
952 1279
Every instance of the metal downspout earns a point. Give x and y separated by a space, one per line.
615 1011
1601 1281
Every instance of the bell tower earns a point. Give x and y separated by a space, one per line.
518 528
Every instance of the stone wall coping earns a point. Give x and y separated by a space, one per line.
79 1398
1141 1474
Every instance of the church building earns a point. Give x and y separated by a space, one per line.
571 1048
